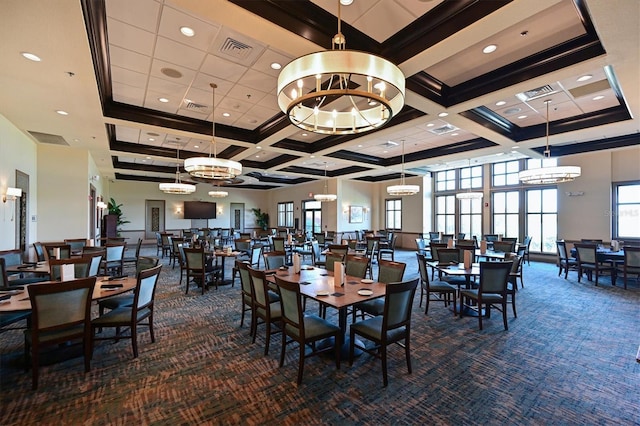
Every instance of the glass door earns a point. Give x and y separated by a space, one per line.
312 217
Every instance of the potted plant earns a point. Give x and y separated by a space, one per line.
262 219
115 209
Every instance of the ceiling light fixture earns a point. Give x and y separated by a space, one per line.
218 193
552 174
468 194
331 92
31 56
325 196
177 187
213 167
188 32
403 188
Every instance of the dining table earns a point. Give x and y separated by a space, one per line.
105 287
319 284
37 268
458 270
223 255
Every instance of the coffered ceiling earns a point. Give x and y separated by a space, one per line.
137 89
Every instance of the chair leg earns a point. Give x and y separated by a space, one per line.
513 304
243 310
134 339
268 338
383 357
352 340
301 363
480 314
407 352
153 337
504 314
284 346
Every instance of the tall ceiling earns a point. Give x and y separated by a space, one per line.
137 90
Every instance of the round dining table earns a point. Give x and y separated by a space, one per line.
105 287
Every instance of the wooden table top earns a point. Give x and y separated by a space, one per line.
321 280
20 301
41 268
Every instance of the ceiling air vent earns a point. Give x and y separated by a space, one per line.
49 138
536 93
389 144
448 128
193 106
235 48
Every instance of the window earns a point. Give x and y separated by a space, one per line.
394 213
285 214
312 216
446 180
471 218
446 214
506 173
542 219
471 177
506 213
626 210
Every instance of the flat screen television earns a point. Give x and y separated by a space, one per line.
199 210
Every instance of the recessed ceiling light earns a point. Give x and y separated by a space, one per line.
346 2
31 56
499 154
500 103
359 146
61 112
490 48
144 161
148 158
189 32
454 134
196 146
443 114
305 134
257 156
275 66
258 147
585 77
520 117
385 151
226 114
163 100
312 156
151 139
430 125
516 147
597 98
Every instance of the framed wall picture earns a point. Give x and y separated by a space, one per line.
355 214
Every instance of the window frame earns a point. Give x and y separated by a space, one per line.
615 211
396 212
285 214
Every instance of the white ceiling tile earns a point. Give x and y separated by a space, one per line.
131 38
246 94
187 74
168 89
257 80
127 134
172 20
127 94
178 53
141 13
383 20
263 64
221 68
128 77
130 60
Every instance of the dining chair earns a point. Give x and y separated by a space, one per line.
388 272
504 246
389 250
490 237
174 251
132 316
587 256
318 258
59 313
304 328
565 263
7 284
159 248
132 260
392 326
81 267
113 259
126 300
277 244
274 259
243 246
263 308
512 281
245 291
433 249
443 291
331 259
527 244
165 244
356 265
491 292
50 249
421 246
199 270
76 244
631 265
38 247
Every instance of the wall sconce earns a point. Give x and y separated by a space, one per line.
101 205
219 210
11 194
94 178
178 210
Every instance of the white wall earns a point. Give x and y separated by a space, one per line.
589 215
17 152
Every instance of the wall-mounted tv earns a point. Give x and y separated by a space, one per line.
199 210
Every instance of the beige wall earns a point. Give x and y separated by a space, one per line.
589 215
17 152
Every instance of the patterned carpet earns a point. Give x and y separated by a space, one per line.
569 358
